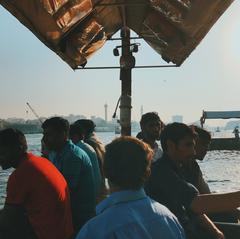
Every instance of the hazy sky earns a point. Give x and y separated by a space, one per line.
30 72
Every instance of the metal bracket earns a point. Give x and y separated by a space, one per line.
118 67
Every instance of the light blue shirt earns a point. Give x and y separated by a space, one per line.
131 215
94 160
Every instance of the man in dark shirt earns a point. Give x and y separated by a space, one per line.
168 186
192 171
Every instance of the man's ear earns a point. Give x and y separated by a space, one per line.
75 138
147 172
65 136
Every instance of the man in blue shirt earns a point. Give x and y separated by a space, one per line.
128 213
75 166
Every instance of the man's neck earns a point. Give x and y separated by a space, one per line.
151 142
113 188
20 160
174 159
61 147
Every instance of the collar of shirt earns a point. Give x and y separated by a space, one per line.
120 197
80 142
56 156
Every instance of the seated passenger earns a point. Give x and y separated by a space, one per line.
191 169
128 212
77 136
168 186
75 166
37 203
193 173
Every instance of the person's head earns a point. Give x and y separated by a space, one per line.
177 140
76 133
87 126
55 133
202 142
13 147
127 163
151 126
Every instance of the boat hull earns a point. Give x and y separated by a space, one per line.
225 144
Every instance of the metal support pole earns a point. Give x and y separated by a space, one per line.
127 62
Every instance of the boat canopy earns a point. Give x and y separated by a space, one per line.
219 115
75 29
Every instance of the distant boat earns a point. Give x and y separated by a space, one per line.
222 143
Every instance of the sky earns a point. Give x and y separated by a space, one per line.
208 80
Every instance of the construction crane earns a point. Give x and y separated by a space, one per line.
34 112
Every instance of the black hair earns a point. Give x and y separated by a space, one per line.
202 133
148 117
75 129
11 138
57 123
175 132
87 125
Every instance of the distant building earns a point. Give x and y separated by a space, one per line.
177 118
16 120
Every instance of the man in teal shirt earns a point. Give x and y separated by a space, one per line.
77 137
75 166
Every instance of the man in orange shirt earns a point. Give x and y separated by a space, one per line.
37 203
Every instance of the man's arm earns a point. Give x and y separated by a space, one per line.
203 186
213 203
209 226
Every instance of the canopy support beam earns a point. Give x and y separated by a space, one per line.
127 62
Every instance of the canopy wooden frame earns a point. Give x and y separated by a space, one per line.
76 29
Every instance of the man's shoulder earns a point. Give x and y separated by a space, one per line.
97 227
76 152
163 174
32 161
161 166
195 164
161 220
88 149
37 166
159 208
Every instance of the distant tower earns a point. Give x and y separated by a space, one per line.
106 106
141 112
